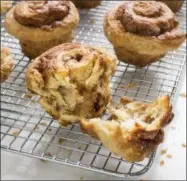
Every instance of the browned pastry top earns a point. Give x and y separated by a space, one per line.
147 18
40 13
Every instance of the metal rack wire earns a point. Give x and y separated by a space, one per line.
27 129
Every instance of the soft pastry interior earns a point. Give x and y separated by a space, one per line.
134 130
142 31
73 81
7 63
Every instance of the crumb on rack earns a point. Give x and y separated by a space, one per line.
163 151
50 129
37 127
61 141
182 94
79 148
15 133
128 86
173 128
161 162
183 145
44 124
169 156
81 178
28 95
49 154
92 21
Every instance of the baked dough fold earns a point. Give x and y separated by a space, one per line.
142 31
73 81
134 130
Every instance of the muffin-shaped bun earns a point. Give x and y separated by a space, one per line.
86 4
40 25
174 5
142 32
7 63
135 129
5 6
72 80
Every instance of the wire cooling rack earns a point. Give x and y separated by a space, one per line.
27 129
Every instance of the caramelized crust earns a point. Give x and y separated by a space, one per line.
6 64
135 129
73 81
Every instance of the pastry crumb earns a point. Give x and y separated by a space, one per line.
49 129
37 127
92 21
44 124
169 156
49 154
182 94
61 141
28 95
15 133
163 151
81 178
173 128
79 148
161 162
128 86
183 145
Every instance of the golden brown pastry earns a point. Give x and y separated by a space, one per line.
135 129
72 80
5 6
41 25
142 32
174 5
7 63
86 4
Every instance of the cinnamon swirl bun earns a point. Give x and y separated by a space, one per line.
142 32
135 129
7 63
72 80
86 4
41 25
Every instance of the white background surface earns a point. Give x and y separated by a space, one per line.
15 166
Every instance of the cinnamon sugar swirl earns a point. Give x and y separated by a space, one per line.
142 31
73 81
41 25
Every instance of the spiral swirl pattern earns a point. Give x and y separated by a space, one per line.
147 18
40 13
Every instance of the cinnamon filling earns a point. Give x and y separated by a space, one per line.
147 18
40 13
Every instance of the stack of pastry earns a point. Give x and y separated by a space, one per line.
142 31
7 63
73 81
41 25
